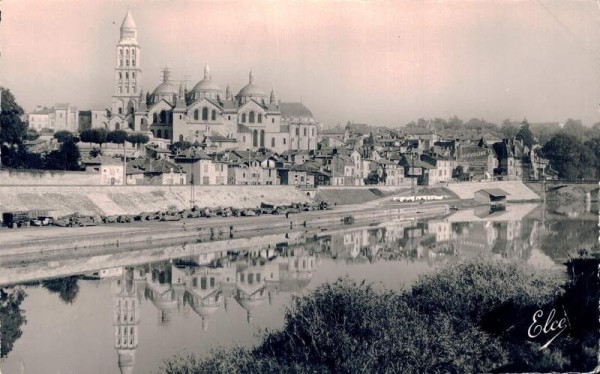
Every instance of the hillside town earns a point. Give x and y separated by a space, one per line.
204 136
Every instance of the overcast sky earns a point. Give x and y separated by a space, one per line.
379 62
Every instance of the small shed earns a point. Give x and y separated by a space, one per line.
494 197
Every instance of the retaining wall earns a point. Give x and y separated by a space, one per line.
44 177
112 200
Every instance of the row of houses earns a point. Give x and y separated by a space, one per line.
384 158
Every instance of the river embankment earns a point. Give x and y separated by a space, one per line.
36 240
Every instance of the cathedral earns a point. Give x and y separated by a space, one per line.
251 119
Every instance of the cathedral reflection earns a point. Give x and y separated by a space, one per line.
208 283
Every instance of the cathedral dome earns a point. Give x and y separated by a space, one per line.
251 91
206 87
166 88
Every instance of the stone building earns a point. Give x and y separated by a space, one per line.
249 120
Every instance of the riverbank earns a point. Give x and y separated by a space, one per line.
468 317
36 240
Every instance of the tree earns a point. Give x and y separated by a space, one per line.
180 146
525 134
65 158
570 158
12 128
66 288
138 138
117 137
97 136
508 129
63 135
12 317
372 178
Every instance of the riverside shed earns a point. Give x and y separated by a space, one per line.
491 196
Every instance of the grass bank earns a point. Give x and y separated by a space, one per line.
468 317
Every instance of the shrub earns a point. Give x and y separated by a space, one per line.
437 327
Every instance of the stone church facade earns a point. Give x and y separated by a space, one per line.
205 114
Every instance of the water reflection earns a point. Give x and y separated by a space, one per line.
202 284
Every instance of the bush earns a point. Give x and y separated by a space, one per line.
454 321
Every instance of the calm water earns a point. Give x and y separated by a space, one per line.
128 318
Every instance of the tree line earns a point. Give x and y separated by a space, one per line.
14 132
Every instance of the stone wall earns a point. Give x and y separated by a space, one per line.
43 177
111 200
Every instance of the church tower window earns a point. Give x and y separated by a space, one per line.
213 115
244 117
259 117
205 114
251 117
196 114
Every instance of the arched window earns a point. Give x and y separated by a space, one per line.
196 114
120 75
272 142
213 115
120 62
255 138
284 141
297 131
126 75
305 132
205 114
163 116
154 118
259 117
262 138
117 126
133 73
244 117
159 133
120 110
251 119
166 134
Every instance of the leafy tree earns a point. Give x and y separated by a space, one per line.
460 174
570 158
63 135
508 129
576 128
12 317
138 138
525 134
66 288
372 178
117 137
87 136
97 136
65 158
180 146
12 128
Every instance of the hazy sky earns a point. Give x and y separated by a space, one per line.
380 62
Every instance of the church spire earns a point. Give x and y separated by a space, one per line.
228 95
181 97
142 106
207 71
273 99
166 74
128 28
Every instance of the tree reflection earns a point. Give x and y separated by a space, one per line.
12 317
66 288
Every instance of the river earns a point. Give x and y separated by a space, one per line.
126 313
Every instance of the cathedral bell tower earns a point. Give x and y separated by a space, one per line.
126 96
